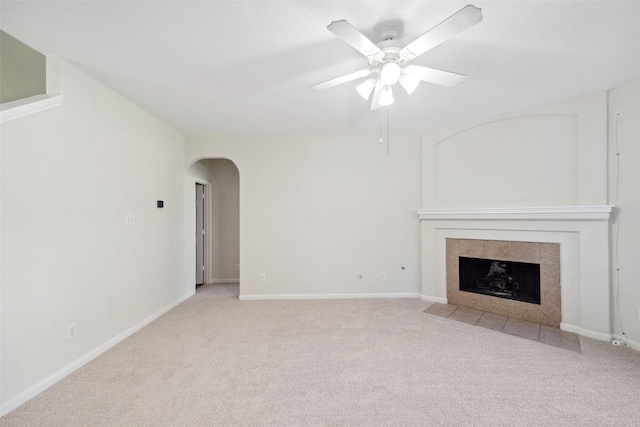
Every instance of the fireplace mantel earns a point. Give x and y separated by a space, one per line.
597 212
581 231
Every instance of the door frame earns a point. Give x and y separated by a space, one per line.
207 227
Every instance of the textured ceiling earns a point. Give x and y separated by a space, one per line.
245 67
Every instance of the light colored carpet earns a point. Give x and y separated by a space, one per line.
215 360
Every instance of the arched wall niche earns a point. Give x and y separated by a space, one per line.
520 161
553 155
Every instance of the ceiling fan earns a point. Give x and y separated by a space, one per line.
389 59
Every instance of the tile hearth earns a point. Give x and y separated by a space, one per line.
508 325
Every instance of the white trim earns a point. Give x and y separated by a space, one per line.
585 332
256 297
53 76
25 107
434 299
208 228
219 281
633 344
38 388
630 343
532 213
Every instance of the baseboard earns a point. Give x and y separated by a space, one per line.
585 332
218 281
630 343
434 299
38 388
634 344
326 296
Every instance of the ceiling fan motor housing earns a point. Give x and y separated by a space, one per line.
390 33
391 50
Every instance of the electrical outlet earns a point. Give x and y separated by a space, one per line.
71 331
129 219
237 267
384 276
263 277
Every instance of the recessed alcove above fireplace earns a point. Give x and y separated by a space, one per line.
576 236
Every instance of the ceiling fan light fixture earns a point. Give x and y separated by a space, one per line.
388 60
366 87
390 73
409 82
386 96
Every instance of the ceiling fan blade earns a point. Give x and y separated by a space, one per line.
339 80
463 19
354 38
439 77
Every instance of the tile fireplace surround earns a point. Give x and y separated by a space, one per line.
580 232
548 312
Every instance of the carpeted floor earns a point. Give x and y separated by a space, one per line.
215 360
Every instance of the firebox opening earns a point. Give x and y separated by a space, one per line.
503 279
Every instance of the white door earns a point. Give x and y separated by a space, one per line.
200 236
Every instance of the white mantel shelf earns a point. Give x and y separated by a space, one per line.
597 212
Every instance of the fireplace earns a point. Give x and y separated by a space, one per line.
518 281
510 278
571 243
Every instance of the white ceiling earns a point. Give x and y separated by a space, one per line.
245 66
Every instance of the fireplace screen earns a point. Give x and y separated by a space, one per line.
504 279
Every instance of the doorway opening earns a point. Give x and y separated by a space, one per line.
217 223
201 235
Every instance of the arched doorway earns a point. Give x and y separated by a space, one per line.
217 224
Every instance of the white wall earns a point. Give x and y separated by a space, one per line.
624 191
22 70
317 211
69 176
200 172
225 210
550 156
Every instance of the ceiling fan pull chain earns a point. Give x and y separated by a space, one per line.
387 111
381 119
380 124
